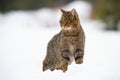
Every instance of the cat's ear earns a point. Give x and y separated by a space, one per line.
63 11
74 12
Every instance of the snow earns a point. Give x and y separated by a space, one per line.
23 41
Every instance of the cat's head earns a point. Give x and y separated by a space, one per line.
69 19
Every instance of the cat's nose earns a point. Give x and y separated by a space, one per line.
68 21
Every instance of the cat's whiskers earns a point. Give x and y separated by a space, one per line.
67 28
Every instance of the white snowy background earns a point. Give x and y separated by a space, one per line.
23 41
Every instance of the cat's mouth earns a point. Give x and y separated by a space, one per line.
66 28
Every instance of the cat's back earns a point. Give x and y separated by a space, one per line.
55 40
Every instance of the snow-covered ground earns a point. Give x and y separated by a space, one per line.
23 42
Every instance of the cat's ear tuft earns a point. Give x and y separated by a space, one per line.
73 11
63 11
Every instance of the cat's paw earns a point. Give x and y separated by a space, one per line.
44 68
65 56
64 67
78 60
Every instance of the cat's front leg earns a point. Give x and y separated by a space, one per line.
79 56
65 55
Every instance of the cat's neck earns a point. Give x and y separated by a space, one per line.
73 32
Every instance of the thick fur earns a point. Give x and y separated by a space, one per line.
67 45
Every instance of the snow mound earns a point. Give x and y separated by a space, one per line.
23 41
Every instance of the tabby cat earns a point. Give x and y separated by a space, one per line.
67 45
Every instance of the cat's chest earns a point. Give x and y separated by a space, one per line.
71 50
71 33
70 40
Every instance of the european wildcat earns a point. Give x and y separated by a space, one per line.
67 45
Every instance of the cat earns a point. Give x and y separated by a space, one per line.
67 45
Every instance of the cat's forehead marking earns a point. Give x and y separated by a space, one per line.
67 13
